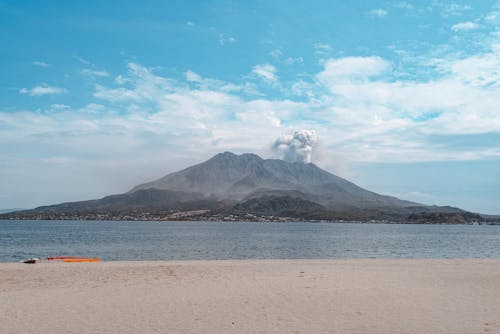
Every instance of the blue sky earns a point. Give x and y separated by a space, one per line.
96 96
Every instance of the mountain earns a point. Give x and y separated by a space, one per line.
240 177
246 186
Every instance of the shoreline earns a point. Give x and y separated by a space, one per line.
281 220
263 260
248 296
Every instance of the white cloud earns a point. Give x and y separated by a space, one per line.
404 5
115 94
146 86
379 12
43 90
155 115
339 70
217 85
293 61
452 9
40 63
120 79
193 77
374 116
303 88
393 118
482 70
322 50
59 106
322 46
278 56
82 60
276 53
465 26
224 39
265 71
493 16
94 73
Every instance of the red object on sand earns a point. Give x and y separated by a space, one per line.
73 259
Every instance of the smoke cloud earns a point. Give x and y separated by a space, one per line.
296 147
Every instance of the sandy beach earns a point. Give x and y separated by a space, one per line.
255 296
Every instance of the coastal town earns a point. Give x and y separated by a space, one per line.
214 216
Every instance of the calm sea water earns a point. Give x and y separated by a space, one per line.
224 240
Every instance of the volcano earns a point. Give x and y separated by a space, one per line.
248 186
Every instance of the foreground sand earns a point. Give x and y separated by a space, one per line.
257 296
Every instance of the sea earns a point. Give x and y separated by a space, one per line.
153 240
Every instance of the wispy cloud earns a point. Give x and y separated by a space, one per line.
352 69
293 60
404 5
464 26
276 53
94 73
146 85
322 46
193 77
278 56
452 9
59 106
217 85
43 90
493 16
265 71
225 39
40 63
322 50
82 60
378 12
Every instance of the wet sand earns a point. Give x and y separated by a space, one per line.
254 296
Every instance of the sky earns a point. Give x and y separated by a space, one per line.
98 96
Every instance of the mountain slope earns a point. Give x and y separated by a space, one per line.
143 199
236 177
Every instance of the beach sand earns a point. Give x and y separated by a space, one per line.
254 296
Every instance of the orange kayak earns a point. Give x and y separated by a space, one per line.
73 259
83 259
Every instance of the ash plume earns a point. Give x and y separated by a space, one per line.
296 147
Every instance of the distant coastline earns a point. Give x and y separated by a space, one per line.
206 215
